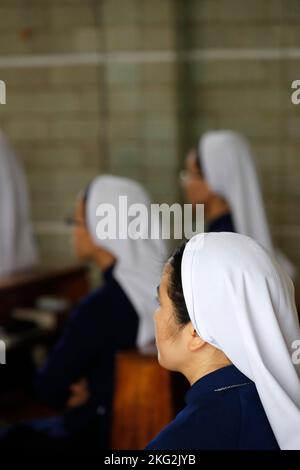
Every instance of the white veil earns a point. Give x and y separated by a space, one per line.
17 246
228 166
139 262
241 301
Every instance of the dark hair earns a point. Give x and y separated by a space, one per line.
175 290
198 161
85 195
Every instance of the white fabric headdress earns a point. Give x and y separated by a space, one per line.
139 262
228 166
17 247
241 301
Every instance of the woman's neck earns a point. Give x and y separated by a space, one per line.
104 260
200 368
215 208
201 373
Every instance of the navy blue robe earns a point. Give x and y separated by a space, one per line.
224 223
103 323
223 412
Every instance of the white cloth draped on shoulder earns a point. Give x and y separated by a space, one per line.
17 246
241 301
228 166
139 262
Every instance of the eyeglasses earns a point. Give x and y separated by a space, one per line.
72 222
185 175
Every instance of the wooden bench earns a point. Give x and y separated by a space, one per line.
22 290
146 399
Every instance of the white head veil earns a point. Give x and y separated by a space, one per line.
229 168
17 247
242 302
139 262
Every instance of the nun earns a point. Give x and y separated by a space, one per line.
227 321
79 374
221 175
17 245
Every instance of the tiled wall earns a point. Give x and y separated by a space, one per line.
166 71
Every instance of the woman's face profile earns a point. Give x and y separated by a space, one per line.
83 244
169 335
195 187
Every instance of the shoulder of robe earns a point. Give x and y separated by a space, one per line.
96 301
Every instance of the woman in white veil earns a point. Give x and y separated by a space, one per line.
227 321
221 174
17 246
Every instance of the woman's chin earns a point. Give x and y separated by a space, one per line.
163 363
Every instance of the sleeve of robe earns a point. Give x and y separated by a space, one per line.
74 355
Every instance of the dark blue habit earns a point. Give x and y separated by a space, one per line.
223 412
102 324
224 223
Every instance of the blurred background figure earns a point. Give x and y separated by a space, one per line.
78 377
221 174
17 245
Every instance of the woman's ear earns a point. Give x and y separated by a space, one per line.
194 341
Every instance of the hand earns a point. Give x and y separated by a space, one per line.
80 394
